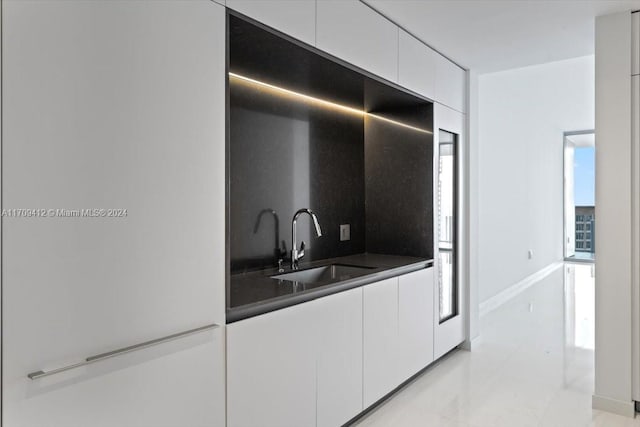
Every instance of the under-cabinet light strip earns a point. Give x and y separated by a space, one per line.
307 98
323 102
394 122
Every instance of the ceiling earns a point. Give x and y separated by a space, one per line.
494 35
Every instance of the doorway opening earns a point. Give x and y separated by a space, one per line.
579 196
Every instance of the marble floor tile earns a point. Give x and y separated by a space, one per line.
533 367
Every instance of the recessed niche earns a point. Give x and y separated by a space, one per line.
308 131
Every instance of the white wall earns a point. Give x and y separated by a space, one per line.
522 116
473 198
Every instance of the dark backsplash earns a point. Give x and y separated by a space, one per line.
283 159
399 188
286 154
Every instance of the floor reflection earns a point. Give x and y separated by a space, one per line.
579 297
533 366
580 304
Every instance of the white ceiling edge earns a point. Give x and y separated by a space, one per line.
486 36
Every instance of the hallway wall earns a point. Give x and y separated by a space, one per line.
522 116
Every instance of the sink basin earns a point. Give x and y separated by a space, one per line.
327 273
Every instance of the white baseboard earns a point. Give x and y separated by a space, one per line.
626 409
502 297
472 344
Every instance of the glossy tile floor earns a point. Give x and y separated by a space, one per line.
533 367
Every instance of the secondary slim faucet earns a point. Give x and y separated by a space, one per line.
295 253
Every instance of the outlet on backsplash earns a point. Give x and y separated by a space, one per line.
345 232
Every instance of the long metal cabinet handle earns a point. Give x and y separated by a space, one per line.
120 351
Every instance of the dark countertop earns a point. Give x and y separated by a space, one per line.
257 293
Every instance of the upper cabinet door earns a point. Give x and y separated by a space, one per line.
113 115
451 84
294 18
357 34
417 66
635 44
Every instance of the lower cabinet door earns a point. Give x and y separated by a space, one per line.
339 358
380 344
271 369
177 383
415 316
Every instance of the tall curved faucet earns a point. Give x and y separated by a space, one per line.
296 254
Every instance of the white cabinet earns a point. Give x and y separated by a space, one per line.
635 209
398 331
173 384
271 369
339 350
415 324
635 43
113 105
416 65
380 339
294 18
357 34
298 366
322 362
451 84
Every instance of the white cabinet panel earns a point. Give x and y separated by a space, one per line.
295 18
271 369
415 326
355 33
112 105
635 212
451 84
380 345
169 385
635 43
284 368
321 362
417 65
339 350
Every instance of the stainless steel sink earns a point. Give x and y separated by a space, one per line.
327 273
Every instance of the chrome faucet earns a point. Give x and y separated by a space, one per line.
296 254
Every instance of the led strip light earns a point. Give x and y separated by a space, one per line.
323 102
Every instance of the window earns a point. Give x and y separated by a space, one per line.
579 194
447 215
